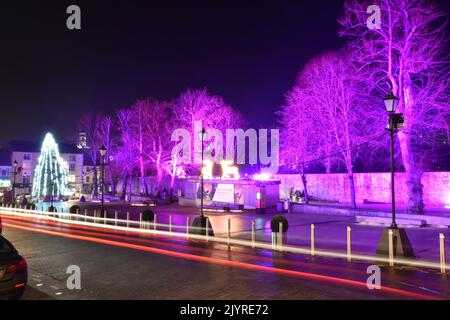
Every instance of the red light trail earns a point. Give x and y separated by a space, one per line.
238 264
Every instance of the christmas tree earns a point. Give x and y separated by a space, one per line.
50 176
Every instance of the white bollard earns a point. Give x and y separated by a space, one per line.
391 248
115 218
349 244
253 234
155 223
85 215
313 244
128 219
187 228
170 226
229 232
140 220
442 255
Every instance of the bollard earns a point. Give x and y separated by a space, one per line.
280 237
170 226
95 216
187 228
253 234
128 219
140 220
229 232
391 248
78 213
349 244
207 229
154 223
85 215
115 218
313 245
442 250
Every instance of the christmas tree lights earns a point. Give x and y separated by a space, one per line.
50 176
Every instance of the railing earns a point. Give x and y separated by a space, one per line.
188 232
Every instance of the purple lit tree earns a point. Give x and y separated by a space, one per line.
322 116
406 55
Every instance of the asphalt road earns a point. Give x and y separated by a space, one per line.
113 270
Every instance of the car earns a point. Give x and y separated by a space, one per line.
13 271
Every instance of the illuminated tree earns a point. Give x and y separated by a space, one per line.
50 175
406 55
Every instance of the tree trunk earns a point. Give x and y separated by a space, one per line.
414 186
305 188
95 181
124 187
351 181
413 172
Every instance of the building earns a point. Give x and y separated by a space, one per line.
5 170
27 153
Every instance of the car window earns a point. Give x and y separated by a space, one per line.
5 247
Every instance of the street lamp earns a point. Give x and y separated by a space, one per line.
391 103
13 200
201 224
202 137
103 152
400 242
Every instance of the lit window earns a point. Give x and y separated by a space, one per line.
72 178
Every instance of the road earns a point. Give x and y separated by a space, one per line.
125 266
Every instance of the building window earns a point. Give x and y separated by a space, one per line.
72 158
4 174
72 167
88 180
27 156
72 178
26 180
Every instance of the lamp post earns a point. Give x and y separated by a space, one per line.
15 164
202 134
391 103
394 238
201 224
103 152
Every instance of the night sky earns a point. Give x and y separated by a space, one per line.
247 51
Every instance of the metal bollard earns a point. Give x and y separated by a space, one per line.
349 244
207 229
442 250
229 232
85 215
313 245
253 234
170 226
115 218
95 216
391 248
140 220
128 219
154 223
187 228
280 237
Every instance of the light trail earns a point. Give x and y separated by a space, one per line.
239 242
100 233
243 265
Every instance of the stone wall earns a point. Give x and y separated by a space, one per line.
373 187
